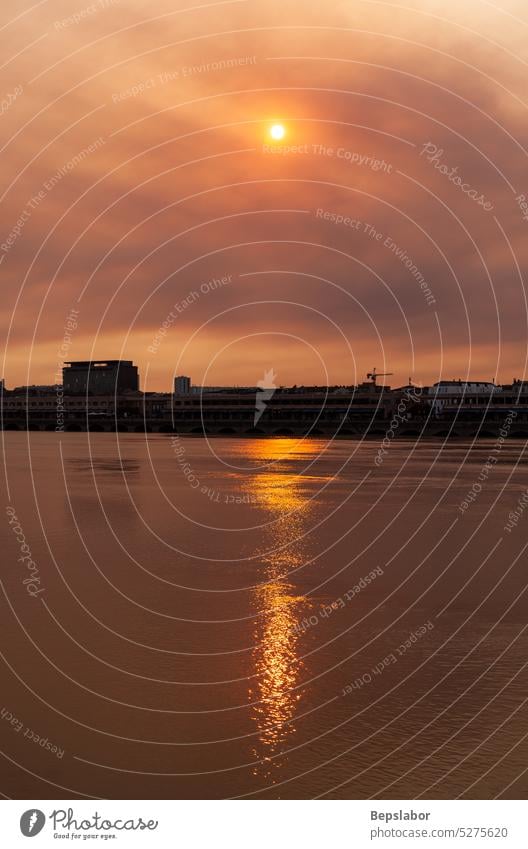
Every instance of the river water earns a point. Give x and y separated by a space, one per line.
262 618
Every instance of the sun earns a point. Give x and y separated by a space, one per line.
277 132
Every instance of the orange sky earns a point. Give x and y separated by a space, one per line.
135 170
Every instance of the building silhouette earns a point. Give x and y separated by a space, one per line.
100 377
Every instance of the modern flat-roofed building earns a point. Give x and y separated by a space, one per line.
182 385
100 377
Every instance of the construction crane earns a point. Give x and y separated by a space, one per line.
373 375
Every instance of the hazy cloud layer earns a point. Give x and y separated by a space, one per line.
135 170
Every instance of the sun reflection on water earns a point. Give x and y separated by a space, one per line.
276 693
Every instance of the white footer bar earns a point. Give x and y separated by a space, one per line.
264 824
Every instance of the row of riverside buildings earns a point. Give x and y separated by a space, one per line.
105 396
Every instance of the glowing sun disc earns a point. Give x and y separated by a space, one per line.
277 132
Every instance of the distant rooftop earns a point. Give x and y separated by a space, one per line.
465 382
98 363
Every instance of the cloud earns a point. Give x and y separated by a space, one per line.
180 189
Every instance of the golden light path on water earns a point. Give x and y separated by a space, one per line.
286 497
